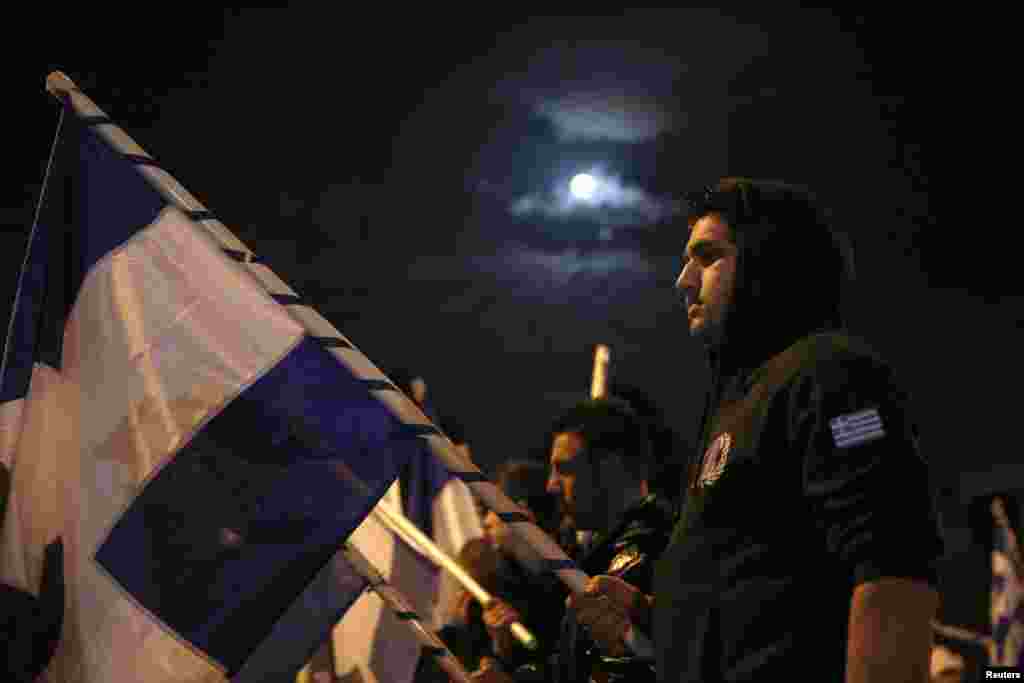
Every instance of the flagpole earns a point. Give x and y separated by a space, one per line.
1002 520
966 636
398 604
420 542
599 380
598 390
551 555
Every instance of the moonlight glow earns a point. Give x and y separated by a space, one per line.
583 186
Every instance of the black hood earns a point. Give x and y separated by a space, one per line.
791 272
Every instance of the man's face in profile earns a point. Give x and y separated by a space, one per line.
707 279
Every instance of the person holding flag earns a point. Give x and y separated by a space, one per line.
808 486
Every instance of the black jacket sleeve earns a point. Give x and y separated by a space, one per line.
864 479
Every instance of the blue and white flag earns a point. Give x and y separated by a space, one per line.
1007 606
201 454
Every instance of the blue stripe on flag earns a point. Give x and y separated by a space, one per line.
414 431
332 342
240 256
472 477
113 201
200 215
23 335
287 299
97 120
305 626
93 203
227 535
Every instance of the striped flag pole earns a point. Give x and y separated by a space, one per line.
965 635
1002 520
405 613
1007 607
552 557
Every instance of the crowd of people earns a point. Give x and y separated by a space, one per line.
798 535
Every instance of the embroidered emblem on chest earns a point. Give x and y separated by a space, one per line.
625 561
715 459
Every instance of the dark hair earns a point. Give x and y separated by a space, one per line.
525 482
745 202
611 424
666 444
482 562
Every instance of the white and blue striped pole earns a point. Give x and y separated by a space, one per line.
550 555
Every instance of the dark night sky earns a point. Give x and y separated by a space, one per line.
400 173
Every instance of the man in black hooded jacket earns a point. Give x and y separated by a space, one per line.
808 542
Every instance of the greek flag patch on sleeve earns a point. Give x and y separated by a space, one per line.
857 428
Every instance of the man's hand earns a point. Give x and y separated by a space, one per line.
890 632
490 672
608 608
498 617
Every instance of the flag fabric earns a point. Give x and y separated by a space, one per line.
1007 599
371 644
444 509
199 453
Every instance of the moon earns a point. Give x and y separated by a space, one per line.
583 186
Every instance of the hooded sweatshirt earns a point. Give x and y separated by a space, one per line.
807 481
791 272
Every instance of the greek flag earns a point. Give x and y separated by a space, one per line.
856 428
165 414
1007 604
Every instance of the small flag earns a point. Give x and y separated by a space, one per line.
857 428
1007 606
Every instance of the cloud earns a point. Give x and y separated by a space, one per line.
613 204
614 117
557 268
